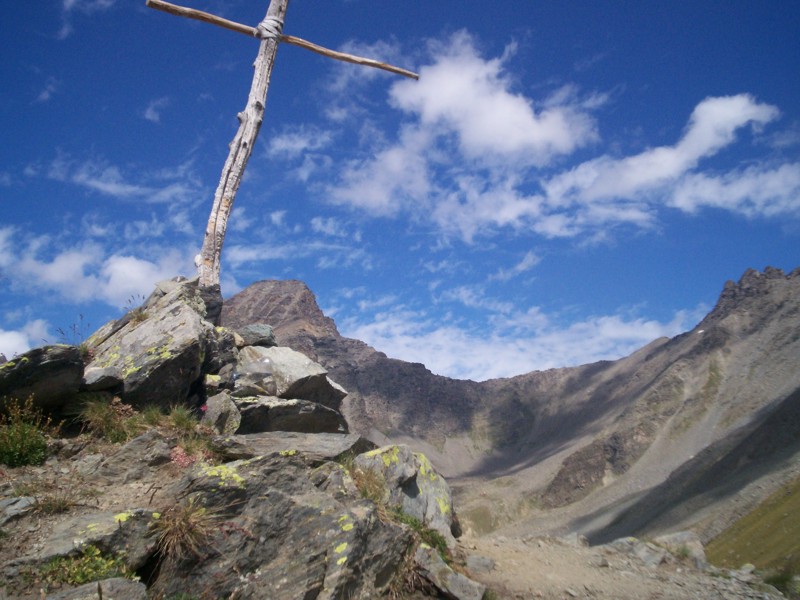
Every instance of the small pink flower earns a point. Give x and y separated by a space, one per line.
179 457
203 408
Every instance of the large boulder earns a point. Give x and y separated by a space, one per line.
315 448
50 374
265 413
277 534
157 350
413 486
255 414
450 584
257 334
287 374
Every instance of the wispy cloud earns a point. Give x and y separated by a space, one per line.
154 108
85 7
174 186
294 142
50 87
530 340
528 262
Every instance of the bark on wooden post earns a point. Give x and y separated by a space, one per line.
240 149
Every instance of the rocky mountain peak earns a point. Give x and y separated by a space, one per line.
756 293
289 303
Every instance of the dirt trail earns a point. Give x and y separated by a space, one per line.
542 567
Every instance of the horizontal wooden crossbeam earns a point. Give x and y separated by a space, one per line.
199 15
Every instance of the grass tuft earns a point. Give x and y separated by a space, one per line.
370 484
113 421
185 530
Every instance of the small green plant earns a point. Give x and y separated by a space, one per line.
23 434
114 421
152 415
185 530
182 420
683 552
433 538
91 565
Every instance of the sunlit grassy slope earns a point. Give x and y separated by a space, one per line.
768 537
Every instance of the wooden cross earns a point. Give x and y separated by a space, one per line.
270 31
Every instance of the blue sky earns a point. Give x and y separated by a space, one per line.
566 181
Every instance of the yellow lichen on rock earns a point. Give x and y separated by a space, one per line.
122 517
389 454
227 475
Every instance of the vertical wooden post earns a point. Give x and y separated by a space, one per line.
240 149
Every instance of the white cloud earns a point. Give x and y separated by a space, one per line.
87 272
32 334
50 87
712 126
529 342
295 142
475 156
153 111
124 277
394 179
754 191
473 99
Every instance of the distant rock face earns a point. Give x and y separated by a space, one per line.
289 303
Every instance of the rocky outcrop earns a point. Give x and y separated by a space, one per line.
293 375
414 487
157 351
266 509
51 375
276 517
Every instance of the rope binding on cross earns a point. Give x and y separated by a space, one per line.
270 28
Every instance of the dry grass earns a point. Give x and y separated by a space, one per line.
371 485
185 530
